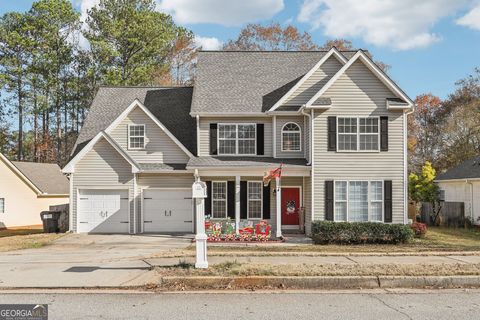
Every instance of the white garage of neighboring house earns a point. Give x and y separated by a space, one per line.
462 184
28 188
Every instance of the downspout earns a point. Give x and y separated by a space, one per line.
302 111
198 135
471 199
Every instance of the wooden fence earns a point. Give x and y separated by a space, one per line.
452 214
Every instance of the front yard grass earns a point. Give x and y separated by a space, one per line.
16 239
235 269
436 240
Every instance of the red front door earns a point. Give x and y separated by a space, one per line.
290 206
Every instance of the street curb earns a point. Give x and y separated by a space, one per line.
335 282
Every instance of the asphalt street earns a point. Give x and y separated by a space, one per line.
378 304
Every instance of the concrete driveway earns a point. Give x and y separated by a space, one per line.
78 260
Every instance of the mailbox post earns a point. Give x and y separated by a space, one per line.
199 193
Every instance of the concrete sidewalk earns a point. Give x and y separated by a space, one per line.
318 260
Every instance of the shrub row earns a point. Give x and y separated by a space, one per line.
326 232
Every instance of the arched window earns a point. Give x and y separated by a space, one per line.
291 137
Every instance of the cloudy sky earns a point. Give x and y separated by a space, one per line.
430 44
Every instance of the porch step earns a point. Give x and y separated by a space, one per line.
292 231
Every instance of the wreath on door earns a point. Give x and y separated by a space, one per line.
291 207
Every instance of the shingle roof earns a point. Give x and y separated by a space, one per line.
242 162
47 177
171 105
248 81
466 170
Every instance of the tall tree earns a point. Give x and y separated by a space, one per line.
130 40
461 128
256 37
14 60
425 132
56 21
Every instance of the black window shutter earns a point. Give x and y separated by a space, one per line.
260 138
208 200
387 200
332 134
329 200
243 199
383 133
231 199
213 138
266 202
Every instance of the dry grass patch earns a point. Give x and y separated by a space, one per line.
16 239
234 268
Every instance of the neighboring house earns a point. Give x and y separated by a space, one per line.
28 188
334 120
462 184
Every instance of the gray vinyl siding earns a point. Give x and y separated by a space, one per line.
313 84
102 167
159 147
306 142
359 93
204 134
281 121
166 181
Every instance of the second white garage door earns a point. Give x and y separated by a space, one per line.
166 210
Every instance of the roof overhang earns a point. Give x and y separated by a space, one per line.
332 52
362 56
457 180
249 171
23 177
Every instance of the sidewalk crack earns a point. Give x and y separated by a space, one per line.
391 307
348 258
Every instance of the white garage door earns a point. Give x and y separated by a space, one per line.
167 211
103 211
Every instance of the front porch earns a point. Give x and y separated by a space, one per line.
243 200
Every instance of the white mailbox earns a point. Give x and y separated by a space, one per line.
199 189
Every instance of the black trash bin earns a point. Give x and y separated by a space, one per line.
50 221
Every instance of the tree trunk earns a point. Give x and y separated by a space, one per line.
20 119
35 124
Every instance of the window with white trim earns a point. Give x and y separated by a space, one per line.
2 205
358 134
237 139
341 200
219 199
291 137
358 201
254 199
136 136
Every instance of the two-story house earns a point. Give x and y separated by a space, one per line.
333 120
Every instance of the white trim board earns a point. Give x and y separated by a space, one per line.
375 70
331 52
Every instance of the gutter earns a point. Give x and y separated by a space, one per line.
302 111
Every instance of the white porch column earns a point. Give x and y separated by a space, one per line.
278 188
237 204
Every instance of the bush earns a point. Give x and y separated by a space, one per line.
326 232
419 229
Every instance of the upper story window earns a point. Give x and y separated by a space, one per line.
291 137
358 134
2 205
236 139
136 136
